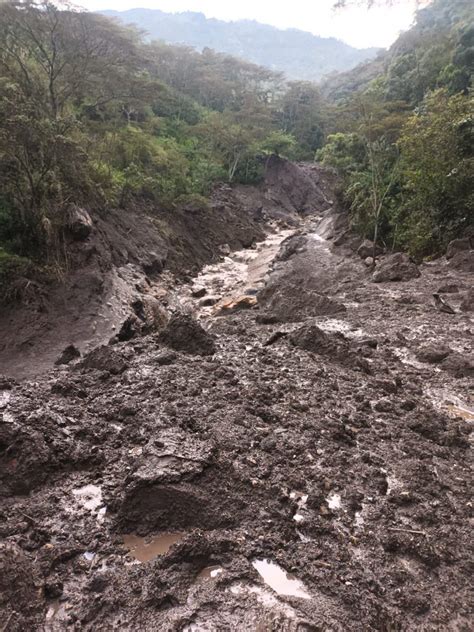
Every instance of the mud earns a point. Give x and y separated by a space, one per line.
320 482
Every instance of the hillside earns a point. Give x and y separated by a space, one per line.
436 52
300 55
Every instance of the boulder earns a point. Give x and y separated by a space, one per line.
165 358
209 301
463 261
78 222
457 245
70 353
291 245
151 313
312 338
459 365
467 304
225 250
366 249
448 288
396 267
432 354
105 359
198 291
184 333
153 262
148 316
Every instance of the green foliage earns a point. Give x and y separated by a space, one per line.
437 148
405 139
279 143
345 152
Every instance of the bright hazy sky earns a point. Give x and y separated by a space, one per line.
359 27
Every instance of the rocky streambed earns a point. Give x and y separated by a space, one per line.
291 452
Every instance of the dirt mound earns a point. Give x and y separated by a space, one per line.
183 333
291 297
105 359
396 267
335 347
22 604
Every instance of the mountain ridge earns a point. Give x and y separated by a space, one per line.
299 54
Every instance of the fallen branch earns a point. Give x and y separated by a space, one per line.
408 531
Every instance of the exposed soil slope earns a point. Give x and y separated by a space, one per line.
126 253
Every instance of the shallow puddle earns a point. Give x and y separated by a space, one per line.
211 572
4 398
460 411
334 501
146 549
279 580
89 496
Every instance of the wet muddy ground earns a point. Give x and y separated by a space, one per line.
311 473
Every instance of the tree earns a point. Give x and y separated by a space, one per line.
301 114
437 167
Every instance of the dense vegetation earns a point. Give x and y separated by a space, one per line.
92 115
300 55
404 138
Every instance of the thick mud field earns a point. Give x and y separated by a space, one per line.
290 453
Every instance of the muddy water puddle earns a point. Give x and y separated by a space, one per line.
210 572
461 411
283 583
145 549
454 405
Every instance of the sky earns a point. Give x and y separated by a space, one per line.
359 27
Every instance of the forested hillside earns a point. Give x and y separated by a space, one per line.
300 55
404 136
93 116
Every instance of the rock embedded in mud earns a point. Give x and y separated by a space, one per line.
432 354
267 319
396 267
291 246
448 288
184 333
70 353
166 358
458 245
105 359
209 301
198 291
459 365
78 222
463 261
369 262
153 263
366 249
467 304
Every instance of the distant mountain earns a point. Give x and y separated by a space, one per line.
300 55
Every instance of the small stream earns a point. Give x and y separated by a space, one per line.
237 278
